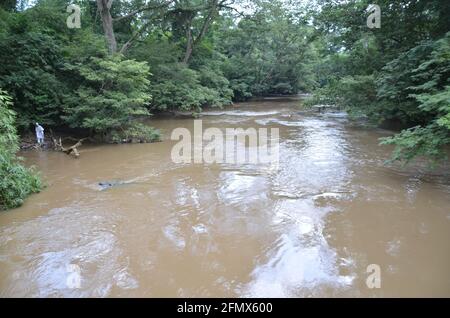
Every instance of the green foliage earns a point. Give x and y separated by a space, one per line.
220 93
67 77
419 141
429 102
31 77
8 133
399 73
177 87
269 53
113 93
395 84
137 132
16 181
32 45
420 78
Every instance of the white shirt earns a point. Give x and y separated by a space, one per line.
39 131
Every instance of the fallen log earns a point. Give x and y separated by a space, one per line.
73 150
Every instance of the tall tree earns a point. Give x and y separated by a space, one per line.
105 8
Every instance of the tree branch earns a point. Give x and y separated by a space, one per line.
136 34
141 9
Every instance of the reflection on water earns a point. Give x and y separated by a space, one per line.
309 228
300 262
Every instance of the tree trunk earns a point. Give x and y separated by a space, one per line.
191 42
104 8
189 46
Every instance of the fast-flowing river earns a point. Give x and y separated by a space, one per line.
310 227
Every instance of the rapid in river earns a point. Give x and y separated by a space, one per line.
309 228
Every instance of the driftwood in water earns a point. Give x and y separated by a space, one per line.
73 150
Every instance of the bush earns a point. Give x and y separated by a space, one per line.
418 141
177 87
16 181
138 132
430 77
112 96
220 93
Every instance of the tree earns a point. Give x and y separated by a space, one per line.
112 94
31 52
269 52
105 8
9 5
430 95
184 15
397 73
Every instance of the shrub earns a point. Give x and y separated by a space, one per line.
112 96
138 132
16 181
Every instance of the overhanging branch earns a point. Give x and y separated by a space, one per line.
142 9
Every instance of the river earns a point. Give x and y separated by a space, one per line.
309 228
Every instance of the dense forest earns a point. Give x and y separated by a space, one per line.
132 59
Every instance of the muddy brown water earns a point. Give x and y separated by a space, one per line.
310 228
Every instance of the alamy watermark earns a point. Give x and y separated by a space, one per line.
373 281
73 280
74 19
374 18
230 145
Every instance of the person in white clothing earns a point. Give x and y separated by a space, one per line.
39 134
